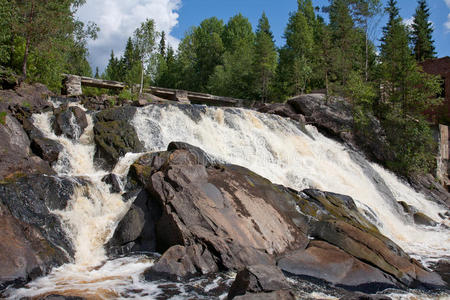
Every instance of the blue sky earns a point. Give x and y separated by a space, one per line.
117 19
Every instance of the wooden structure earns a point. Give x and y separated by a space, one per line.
72 86
441 67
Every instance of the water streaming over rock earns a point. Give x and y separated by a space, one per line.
276 148
285 153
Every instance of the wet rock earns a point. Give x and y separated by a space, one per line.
282 110
442 267
201 156
180 262
70 121
237 216
362 296
47 149
31 199
431 188
377 250
326 262
16 158
136 232
334 117
33 240
114 181
277 295
258 279
422 219
114 136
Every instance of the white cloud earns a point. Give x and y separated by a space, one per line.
447 2
408 22
118 19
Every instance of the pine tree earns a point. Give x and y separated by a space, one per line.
162 45
97 75
422 33
112 69
265 57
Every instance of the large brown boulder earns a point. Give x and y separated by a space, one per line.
324 261
69 121
234 215
378 251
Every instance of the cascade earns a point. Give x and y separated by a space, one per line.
276 148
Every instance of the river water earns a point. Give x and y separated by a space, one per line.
276 148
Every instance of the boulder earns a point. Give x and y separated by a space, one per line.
136 232
236 216
8 79
70 121
277 295
72 86
32 97
25 253
114 136
321 260
114 181
180 262
334 117
33 239
16 158
377 250
282 110
258 279
47 149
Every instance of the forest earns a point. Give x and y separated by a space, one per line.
43 39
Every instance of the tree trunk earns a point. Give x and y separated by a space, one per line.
142 78
25 58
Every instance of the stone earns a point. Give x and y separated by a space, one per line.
33 238
114 136
257 279
72 86
136 232
277 295
237 216
114 181
47 149
321 260
180 262
422 219
16 157
282 110
377 250
70 121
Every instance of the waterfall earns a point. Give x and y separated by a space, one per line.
285 153
277 148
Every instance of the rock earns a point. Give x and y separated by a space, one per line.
33 239
235 215
282 110
141 102
25 254
70 121
201 156
422 219
334 117
46 149
114 136
377 250
442 267
31 199
362 296
114 181
180 262
61 297
326 262
8 79
32 97
277 295
16 159
72 86
137 230
431 188
257 279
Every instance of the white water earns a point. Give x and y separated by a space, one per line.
271 146
279 150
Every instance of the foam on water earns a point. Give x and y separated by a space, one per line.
285 153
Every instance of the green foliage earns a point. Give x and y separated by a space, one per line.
3 115
362 95
126 94
422 33
265 61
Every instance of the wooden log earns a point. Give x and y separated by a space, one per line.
101 83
